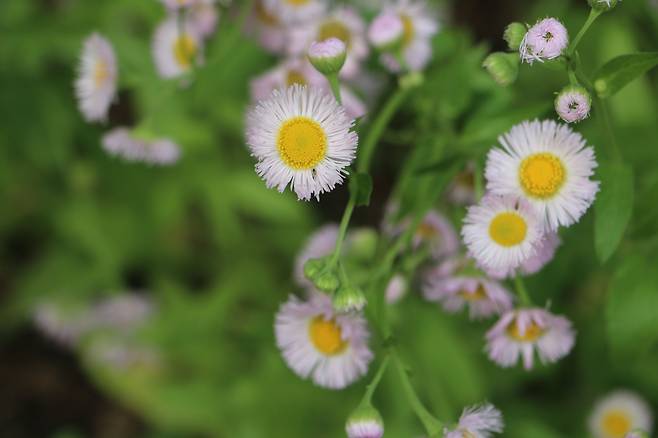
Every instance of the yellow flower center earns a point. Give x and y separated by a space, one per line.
326 336
426 231
295 77
542 175
477 295
101 73
185 50
335 29
302 143
467 434
616 424
264 15
408 30
508 229
297 2
531 334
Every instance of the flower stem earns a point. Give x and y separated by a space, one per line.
342 231
521 290
432 425
372 386
593 15
335 87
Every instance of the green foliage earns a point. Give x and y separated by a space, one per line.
361 188
620 71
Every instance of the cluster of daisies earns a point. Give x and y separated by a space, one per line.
177 48
300 129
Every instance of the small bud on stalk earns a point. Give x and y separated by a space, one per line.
386 32
603 5
349 299
365 422
328 56
514 34
573 104
503 67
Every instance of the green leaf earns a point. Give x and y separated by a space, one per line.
620 71
613 208
361 187
631 308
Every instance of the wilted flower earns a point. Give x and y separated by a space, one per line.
301 138
618 413
573 104
96 84
545 40
547 164
519 333
477 422
124 143
316 342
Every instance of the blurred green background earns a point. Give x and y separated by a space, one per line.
213 249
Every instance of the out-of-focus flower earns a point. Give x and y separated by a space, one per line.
176 49
435 231
455 284
175 4
65 327
519 333
637 434
501 232
296 12
477 422
573 104
545 40
396 289
419 26
461 190
320 244
203 17
332 349
96 85
386 32
547 164
288 73
301 138
267 28
327 56
365 422
124 143
618 414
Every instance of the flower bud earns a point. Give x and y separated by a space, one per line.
514 33
602 5
365 422
503 67
349 299
328 56
327 282
573 104
313 267
386 32
363 243
544 41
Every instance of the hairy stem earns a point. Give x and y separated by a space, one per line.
593 15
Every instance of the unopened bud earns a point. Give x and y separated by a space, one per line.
349 299
503 67
327 282
514 33
573 104
313 267
328 56
386 32
603 5
365 422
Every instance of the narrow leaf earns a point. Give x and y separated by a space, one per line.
613 208
620 71
361 186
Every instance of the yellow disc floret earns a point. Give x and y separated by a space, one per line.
531 334
334 29
185 49
326 336
295 77
297 2
477 295
302 143
616 424
408 30
508 229
542 175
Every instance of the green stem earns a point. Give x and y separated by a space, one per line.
432 425
521 291
593 15
335 87
372 386
479 183
342 231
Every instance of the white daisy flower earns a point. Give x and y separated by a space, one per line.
96 85
288 73
176 49
477 422
266 27
501 232
296 12
343 23
519 333
331 349
456 284
122 142
301 137
420 25
203 17
549 165
545 253
435 231
618 414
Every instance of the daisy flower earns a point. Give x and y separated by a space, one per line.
176 49
266 27
122 142
545 40
456 285
618 414
501 232
545 253
301 138
296 12
175 4
519 333
320 244
288 73
96 85
477 422
547 164
435 231
396 289
462 189
343 23
203 18
419 26
331 349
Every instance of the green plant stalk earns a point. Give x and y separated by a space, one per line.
342 230
372 386
593 15
334 82
521 291
432 425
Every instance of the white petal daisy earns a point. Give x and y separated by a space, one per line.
545 252
176 49
332 349
301 137
501 232
122 142
549 165
477 422
296 11
266 27
96 85
203 17
519 333
286 74
619 413
435 231
420 25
